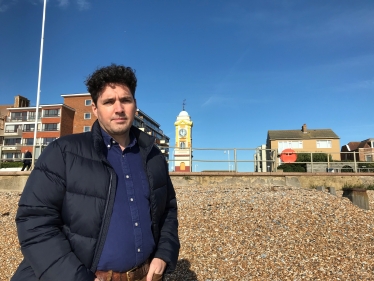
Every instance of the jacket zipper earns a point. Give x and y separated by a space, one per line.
100 242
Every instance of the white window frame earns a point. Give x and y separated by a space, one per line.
290 144
86 128
87 102
88 114
324 144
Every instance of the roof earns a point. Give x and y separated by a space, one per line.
183 113
299 135
75 95
353 145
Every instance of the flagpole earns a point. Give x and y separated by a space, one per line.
38 92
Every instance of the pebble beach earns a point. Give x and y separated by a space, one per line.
252 233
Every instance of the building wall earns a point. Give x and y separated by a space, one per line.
67 121
78 103
363 152
311 146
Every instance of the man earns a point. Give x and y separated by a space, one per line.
100 205
27 160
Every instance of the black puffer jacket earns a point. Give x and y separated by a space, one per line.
65 208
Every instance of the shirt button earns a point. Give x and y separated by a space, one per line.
113 141
138 250
127 176
131 199
136 224
108 146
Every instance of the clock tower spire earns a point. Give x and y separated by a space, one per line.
183 142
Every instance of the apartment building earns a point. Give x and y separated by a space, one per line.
83 117
304 140
54 121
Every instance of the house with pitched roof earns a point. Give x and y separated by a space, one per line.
361 151
305 140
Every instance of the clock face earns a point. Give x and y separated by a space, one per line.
182 132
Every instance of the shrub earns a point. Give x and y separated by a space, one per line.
347 169
293 167
11 164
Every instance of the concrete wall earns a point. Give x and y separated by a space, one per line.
16 180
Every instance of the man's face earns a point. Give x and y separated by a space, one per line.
115 110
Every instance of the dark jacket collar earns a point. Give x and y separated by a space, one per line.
144 140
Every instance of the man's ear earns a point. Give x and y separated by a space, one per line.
94 109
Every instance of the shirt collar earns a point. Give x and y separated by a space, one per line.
109 141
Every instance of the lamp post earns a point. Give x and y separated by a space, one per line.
228 157
38 92
196 165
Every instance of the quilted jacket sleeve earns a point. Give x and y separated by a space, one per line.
44 246
168 245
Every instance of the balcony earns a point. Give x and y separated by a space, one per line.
22 119
46 115
12 147
17 132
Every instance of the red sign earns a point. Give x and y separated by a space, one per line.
288 155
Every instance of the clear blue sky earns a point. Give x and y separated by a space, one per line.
244 67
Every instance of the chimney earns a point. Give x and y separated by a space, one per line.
303 129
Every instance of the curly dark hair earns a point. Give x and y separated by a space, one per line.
113 74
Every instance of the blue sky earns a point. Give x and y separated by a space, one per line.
244 67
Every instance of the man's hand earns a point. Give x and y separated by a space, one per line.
157 266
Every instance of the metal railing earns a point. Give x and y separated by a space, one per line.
237 160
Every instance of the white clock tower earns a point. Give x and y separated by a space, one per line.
183 142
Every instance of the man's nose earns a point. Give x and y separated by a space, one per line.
118 106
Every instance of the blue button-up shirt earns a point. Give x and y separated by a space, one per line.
129 241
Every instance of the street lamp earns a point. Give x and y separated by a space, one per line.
228 157
196 165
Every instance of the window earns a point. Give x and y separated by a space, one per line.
28 127
182 145
32 116
323 143
282 145
87 116
29 141
13 141
50 127
46 141
19 116
87 102
11 155
369 158
86 128
51 113
12 128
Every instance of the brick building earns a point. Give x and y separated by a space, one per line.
83 117
54 121
362 151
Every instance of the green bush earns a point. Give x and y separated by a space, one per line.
346 169
366 167
293 167
317 157
11 164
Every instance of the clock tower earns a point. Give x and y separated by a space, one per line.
183 142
